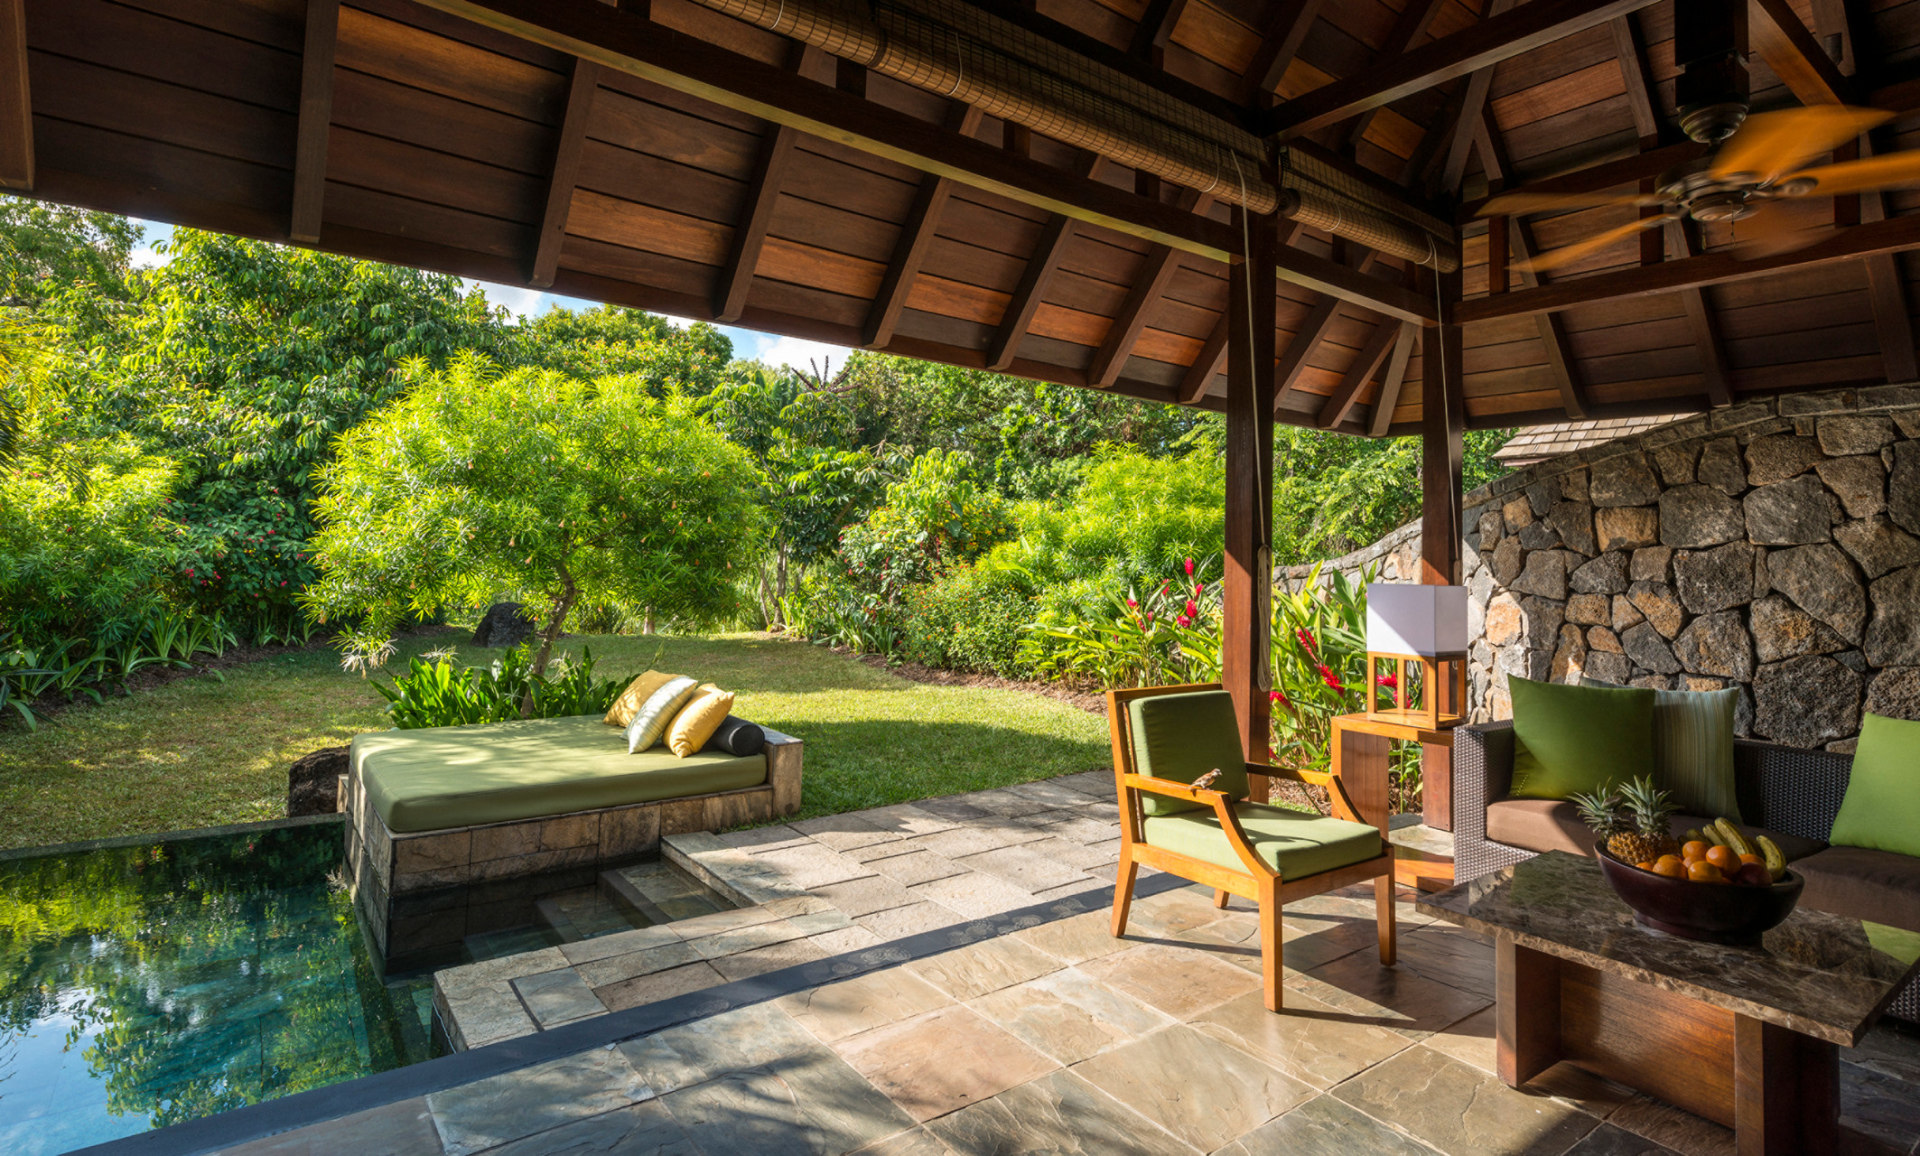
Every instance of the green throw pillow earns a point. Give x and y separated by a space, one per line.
1183 736
1881 809
1568 739
1693 747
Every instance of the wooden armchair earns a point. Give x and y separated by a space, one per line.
1167 737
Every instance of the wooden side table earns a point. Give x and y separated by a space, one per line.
1362 754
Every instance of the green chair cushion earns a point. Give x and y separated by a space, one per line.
1881 809
1568 739
439 777
1183 736
1294 843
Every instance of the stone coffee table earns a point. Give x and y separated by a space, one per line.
1746 1036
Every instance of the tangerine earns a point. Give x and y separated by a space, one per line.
1752 858
1694 850
1704 871
1724 858
1644 866
1672 866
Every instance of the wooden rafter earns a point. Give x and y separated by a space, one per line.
565 174
1149 286
1412 22
916 236
315 121
1156 28
1702 320
1632 55
1780 39
1028 294
1553 331
1473 102
763 193
1365 364
16 101
1279 44
1313 330
1206 367
1487 43
1392 381
688 64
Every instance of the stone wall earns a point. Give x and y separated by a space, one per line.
1394 558
1770 545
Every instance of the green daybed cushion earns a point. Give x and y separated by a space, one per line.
1294 843
439 777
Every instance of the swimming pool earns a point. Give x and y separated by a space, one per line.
147 983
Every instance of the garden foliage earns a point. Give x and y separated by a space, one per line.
438 692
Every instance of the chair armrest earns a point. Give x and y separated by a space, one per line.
1222 805
1276 772
1174 789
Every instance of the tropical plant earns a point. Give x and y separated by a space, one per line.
968 619
1165 634
437 692
937 515
568 491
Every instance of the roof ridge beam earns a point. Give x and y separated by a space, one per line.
1487 43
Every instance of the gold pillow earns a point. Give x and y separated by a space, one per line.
697 720
638 691
650 722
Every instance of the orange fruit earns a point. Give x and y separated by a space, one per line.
1695 849
1750 858
1671 866
1705 871
1644 866
1723 858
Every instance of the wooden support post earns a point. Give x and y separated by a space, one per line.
1245 617
16 102
1442 424
316 120
1526 1018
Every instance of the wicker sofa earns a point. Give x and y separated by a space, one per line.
1789 793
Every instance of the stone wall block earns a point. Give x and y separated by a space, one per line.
1517 513
1625 614
1541 495
1695 517
1492 527
1661 606
1505 561
1602 639
1623 480
1893 637
1539 536
1676 462
1878 545
1505 620
1569 656
1909 421
1844 435
1720 467
1573 521
1806 702
1607 667
1573 486
1799 512
1716 644
1584 610
1717 579
1606 574
1895 693
1782 630
1777 457
1821 581
1649 650
1651 564
1544 574
1543 618
1860 483
1626 527
1903 487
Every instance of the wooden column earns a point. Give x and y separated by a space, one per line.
1246 616
16 102
1442 425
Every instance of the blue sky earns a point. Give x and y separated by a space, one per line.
747 343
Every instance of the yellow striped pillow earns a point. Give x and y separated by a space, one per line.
651 720
631 699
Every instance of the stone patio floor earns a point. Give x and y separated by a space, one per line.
988 1010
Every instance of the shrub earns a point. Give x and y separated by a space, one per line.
438 693
969 619
937 515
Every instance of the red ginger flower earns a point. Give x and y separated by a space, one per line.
1390 681
1279 697
1189 567
1306 639
1331 680
1193 609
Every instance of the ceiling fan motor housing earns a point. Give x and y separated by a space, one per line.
1710 46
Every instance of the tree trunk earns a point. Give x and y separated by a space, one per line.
556 622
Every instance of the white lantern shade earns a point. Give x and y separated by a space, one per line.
1407 619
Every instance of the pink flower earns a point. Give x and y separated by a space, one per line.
1306 640
1132 605
1279 697
1390 681
1198 589
1189 567
1193 609
1331 681
1165 586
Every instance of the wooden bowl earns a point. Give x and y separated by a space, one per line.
1714 912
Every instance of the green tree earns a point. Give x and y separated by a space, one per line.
612 340
477 481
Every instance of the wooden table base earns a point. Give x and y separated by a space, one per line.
1777 1089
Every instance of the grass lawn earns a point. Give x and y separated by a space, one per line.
199 752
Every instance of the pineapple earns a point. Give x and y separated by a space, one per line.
1599 810
1648 809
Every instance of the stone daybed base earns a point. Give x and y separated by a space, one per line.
425 890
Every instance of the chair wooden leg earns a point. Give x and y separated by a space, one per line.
1220 898
1123 896
1270 971
1383 912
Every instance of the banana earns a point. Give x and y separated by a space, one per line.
1712 835
1776 862
1736 842
1694 836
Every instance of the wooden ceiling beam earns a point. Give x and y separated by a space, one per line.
565 174
1155 29
1207 366
1632 55
1780 39
1365 364
1391 382
1472 104
1523 29
315 120
763 194
1280 41
1890 236
916 236
1149 285
16 99
1412 22
1702 321
688 64
1032 289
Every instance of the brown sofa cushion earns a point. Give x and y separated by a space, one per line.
1865 884
1554 825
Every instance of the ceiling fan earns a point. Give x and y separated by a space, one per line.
1753 163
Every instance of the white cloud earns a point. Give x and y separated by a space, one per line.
524 302
800 354
143 256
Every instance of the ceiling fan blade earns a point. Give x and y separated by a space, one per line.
1770 232
1880 172
1521 202
1567 254
1772 143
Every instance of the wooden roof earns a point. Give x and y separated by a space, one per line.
705 168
